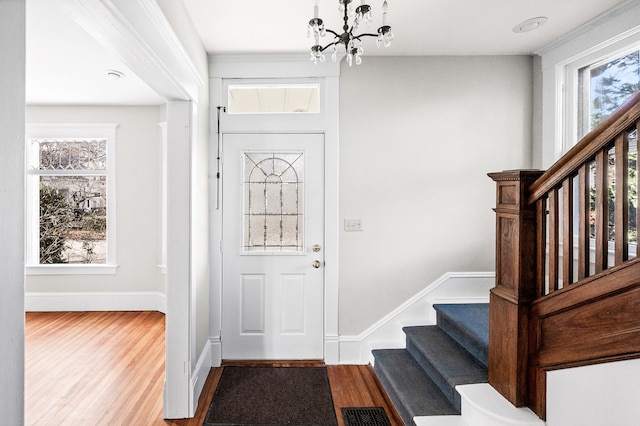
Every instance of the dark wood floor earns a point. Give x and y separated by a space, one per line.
107 368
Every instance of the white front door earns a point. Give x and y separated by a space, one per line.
273 232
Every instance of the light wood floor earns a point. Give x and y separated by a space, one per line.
107 368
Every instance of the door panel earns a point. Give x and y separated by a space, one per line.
252 304
273 214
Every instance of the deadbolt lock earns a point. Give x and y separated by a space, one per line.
315 248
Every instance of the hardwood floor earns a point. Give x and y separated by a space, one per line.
107 368
85 368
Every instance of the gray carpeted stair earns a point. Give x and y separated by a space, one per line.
409 387
467 324
421 379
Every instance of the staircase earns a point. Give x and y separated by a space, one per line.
421 379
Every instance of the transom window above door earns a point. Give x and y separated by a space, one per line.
273 99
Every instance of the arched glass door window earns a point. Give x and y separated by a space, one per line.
273 219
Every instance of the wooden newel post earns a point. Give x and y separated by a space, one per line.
515 284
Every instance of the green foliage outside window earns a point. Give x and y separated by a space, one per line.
56 217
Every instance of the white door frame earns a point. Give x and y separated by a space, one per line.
279 67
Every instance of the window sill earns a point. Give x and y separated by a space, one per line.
65 269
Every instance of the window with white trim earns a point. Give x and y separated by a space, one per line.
604 86
70 198
595 84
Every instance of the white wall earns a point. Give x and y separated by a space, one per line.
12 80
417 137
138 192
596 395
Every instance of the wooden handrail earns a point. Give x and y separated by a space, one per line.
619 121
552 308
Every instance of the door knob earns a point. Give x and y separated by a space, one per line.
316 264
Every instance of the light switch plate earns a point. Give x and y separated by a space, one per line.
352 225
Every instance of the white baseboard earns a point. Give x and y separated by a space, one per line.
216 351
452 287
98 301
199 375
331 349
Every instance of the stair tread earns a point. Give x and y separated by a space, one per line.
408 386
455 364
473 318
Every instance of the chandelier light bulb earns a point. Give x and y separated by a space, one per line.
385 8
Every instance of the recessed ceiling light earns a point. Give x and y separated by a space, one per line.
114 74
530 24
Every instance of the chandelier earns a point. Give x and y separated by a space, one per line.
352 42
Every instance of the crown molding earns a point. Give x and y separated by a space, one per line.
595 22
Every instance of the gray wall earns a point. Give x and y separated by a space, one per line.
417 137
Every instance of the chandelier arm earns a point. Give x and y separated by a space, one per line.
332 32
322 49
365 35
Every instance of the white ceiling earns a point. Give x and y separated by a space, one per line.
66 66
421 27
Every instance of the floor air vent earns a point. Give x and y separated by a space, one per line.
365 416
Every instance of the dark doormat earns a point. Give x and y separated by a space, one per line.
365 416
250 396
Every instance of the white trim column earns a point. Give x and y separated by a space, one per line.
177 389
12 116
